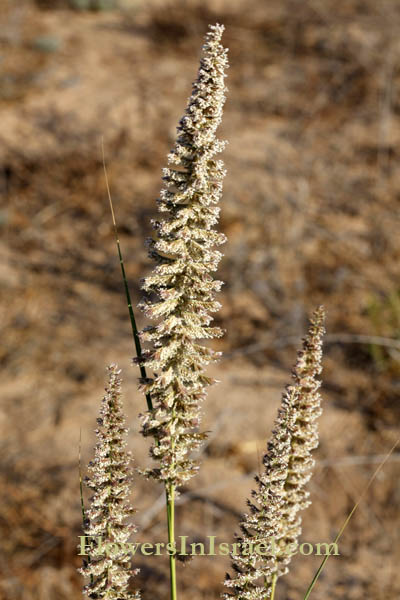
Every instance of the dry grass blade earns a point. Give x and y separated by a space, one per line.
346 522
135 332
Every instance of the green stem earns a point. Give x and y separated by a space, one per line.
349 516
135 332
170 497
273 586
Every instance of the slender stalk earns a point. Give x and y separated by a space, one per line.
170 497
80 479
349 516
273 586
169 492
135 332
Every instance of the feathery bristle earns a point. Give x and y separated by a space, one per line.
181 284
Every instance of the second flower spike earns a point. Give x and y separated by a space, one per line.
280 495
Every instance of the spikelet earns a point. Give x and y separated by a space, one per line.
273 522
180 291
305 431
110 475
253 572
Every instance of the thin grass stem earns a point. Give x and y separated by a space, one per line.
349 516
273 586
170 498
135 332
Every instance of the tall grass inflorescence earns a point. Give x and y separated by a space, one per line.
109 509
273 520
180 298
180 290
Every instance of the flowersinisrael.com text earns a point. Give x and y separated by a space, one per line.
96 546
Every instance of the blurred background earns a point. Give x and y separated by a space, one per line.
311 209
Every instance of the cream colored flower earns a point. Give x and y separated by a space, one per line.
180 290
109 509
273 520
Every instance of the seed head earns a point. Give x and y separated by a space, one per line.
180 291
109 479
273 519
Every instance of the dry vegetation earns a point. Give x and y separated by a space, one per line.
311 210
